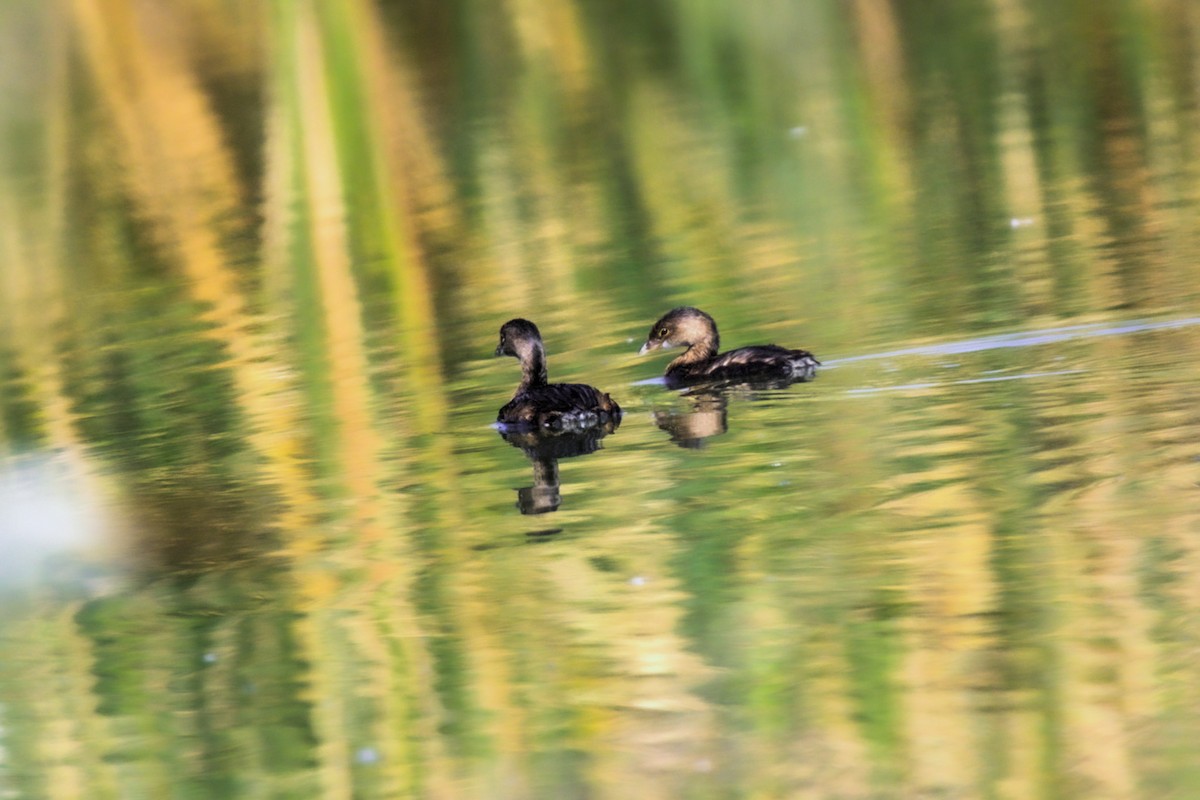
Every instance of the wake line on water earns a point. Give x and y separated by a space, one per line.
937 384
1022 339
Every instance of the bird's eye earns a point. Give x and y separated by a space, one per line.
662 333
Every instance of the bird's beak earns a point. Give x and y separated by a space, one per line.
499 350
647 347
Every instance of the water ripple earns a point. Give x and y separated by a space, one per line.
936 384
1023 339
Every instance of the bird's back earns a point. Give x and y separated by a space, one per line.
559 405
758 362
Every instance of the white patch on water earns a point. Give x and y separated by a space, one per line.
45 513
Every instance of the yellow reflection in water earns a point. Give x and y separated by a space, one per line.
254 262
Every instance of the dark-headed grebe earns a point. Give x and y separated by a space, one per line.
700 362
538 403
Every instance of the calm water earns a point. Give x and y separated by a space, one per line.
260 538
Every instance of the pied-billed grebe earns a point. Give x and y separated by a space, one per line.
691 328
538 403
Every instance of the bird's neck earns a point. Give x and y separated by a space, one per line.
533 367
701 350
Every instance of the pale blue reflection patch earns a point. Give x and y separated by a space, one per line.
46 515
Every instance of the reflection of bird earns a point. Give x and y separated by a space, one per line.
543 497
538 403
690 428
544 449
700 362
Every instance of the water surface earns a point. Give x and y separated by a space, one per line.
260 538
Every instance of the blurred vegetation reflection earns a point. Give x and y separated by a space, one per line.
258 538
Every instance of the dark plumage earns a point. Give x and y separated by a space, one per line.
538 403
700 362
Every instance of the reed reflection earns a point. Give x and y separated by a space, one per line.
544 448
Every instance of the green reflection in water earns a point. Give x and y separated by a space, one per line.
259 539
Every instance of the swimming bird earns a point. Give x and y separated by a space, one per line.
539 403
702 361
